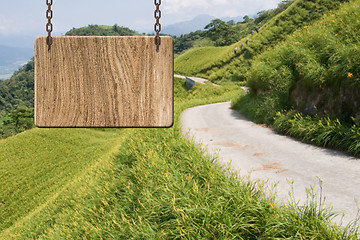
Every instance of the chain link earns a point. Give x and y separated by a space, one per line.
157 26
49 26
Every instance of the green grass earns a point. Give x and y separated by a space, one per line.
159 185
324 132
220 64
320 61
198 60
322 54
36 165
261 108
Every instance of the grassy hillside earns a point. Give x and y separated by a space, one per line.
68 184
316 71
142 184
38 164
223 64
189 65
220 33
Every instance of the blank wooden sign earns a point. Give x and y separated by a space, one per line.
104 82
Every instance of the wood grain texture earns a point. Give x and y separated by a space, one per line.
104 82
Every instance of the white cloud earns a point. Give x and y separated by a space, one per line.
176 6
3 23
187 9
31 16
220 2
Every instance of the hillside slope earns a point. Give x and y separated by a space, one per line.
221 64
309 86
158 186
36 166
140 184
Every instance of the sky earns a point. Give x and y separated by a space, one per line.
27 17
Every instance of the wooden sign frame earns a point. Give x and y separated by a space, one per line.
104 82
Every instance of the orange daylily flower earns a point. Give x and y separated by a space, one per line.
350 75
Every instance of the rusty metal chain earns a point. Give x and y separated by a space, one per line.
157 26
49 26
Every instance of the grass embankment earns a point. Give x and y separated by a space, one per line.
161 186
221 64
321 61
191 64
37 165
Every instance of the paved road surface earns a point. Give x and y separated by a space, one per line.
267 155
196 79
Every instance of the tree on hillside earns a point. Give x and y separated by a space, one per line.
264 16
96 30
186 41
220 32
283 5
246 19
231 22
18 90
18 120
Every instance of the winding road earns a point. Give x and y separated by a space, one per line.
258 151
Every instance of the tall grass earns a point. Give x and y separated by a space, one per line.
197 61
324 132
160 186
221 64
323 59
37 164
326 53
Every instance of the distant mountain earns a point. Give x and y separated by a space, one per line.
9 55
11 58
21 41
198 23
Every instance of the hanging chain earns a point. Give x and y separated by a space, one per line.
157 26
49 26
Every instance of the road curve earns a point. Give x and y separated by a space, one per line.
256 150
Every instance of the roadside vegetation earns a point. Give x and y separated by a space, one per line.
304 60
315 72
157 185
